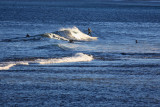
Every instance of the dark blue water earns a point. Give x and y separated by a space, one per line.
113 70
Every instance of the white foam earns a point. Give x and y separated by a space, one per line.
79 57
8 65
70 34
55 36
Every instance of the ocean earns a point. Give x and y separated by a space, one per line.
59 64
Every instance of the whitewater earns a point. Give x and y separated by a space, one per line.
79 57
59 64
65 34
70 34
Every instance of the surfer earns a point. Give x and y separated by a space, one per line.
89 31
27 35
71 41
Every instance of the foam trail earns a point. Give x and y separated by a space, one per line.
8 65
79 57
69 34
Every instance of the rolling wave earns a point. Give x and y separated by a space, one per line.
19 39
69 34
65 34
78 57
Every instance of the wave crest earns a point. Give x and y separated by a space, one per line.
79 57
70 34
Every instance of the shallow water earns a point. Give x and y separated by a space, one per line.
111 71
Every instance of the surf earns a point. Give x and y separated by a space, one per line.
78 57
68 34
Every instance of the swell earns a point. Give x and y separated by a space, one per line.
142 55
23 39
68 34
78 57
65 34
124 56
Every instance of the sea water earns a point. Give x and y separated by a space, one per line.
119 65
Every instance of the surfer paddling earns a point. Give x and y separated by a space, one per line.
27 35
89 31
71 41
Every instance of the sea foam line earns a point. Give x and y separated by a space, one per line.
7 65
78 57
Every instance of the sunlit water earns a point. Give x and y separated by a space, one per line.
113 70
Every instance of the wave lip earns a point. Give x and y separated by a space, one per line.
69 34
79 57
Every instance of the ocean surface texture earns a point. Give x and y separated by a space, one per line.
59 64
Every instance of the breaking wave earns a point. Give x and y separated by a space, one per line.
69 34
7 65
78 57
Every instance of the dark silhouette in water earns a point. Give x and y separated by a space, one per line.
71 41
27 35
136 41
89 31
123 53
